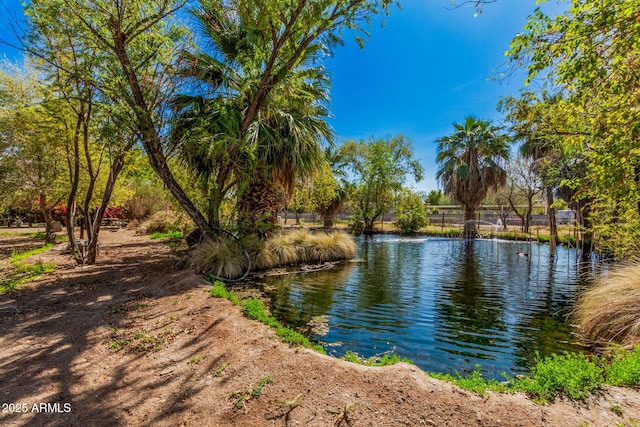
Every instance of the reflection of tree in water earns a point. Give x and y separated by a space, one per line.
467 313
544 328
295 304
374 277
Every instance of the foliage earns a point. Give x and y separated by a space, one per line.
474 382
411 212
32 165
167 221
379 169
173 235
255 309
471 164
571 375
590 51
435 197
609 311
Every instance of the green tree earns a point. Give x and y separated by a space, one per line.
379 168
435 197
591 51
471 164
412 215
32 164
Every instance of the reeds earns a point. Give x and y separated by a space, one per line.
609 311
224 258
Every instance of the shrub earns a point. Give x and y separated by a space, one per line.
412 214
609 311
167 221
571 374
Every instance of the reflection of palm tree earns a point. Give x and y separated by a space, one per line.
469 314
296 305
470 165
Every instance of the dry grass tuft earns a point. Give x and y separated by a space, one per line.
225 258
166 221
609 311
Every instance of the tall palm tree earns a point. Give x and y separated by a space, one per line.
471 163
285 138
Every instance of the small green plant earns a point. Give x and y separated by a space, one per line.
242 396
616 409
571 374
118 345
220 369
343 414
195 359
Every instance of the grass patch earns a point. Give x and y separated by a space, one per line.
171 235
609 311
20 273
220 369
255 309
384 360
572 375
474 382
138 341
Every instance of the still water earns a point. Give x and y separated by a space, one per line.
445 304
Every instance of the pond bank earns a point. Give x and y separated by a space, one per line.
189 359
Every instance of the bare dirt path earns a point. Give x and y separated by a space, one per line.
132 341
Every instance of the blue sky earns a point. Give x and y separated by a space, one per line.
430 66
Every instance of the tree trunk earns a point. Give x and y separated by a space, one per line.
469 231
259 205
48 220
553 227
116 167
151 139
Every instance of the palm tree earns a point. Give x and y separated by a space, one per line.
283 141
470 164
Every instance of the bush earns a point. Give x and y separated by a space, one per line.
167 221
571 374
412 215
609 311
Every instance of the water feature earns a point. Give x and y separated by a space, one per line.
446 304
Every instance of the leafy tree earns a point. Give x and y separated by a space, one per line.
32 164
471 164
412 215
331 189
591 51
379 168
435 197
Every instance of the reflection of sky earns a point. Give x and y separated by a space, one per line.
431 301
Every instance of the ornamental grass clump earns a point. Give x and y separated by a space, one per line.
609 311
225 258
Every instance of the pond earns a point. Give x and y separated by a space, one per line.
445 304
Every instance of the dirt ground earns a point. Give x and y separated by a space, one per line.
133 341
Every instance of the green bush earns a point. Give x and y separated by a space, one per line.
412 214
624 369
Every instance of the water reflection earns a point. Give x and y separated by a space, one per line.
446 305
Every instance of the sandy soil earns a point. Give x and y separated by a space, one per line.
186 359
